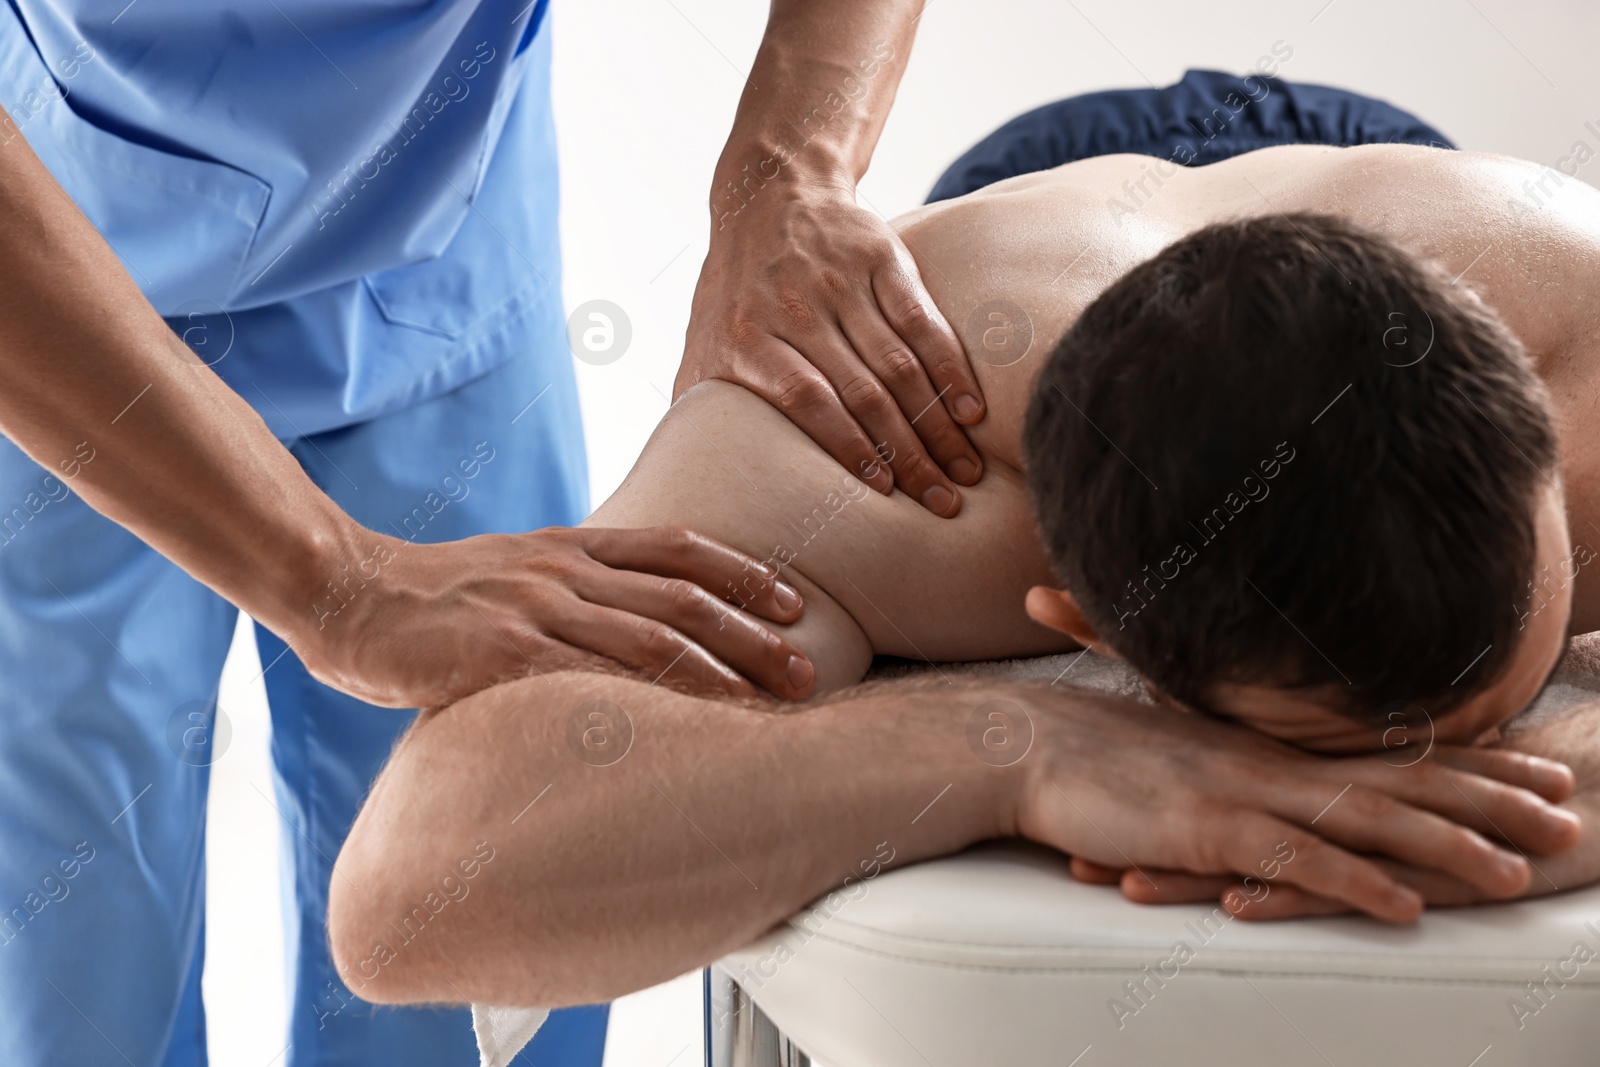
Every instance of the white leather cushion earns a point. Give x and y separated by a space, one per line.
996 956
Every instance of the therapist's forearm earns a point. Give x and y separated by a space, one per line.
87 367
820 90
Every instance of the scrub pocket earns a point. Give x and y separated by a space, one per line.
182 226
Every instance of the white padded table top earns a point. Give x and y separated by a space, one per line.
998 956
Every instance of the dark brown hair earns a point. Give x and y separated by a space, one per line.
1286 452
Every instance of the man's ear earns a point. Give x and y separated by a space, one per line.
1056 609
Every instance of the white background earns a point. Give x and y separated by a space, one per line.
645 94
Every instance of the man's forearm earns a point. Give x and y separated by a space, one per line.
572 837
88 370
715 822
819 92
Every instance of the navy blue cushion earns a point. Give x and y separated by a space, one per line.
1205 117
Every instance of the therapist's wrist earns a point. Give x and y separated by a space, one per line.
760 173
317 574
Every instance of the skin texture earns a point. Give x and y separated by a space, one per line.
719 818
188 466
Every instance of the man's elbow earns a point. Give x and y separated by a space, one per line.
359 938
413 920
373 929
390 931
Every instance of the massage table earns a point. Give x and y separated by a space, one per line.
997 956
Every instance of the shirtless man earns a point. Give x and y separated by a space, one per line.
637 832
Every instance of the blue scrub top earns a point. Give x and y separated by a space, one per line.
344 206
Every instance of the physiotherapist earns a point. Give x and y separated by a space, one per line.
281 330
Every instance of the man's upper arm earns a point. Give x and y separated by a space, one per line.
878 574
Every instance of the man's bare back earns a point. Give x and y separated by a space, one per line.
1012 267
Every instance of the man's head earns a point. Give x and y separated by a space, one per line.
1297 477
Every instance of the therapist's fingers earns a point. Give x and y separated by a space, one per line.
887 356
649 646
737 639
874 407
677 552
789 382
913 315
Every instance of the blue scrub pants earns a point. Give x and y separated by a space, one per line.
111 656
1205 117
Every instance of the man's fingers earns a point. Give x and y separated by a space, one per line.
1437 888
1093 873
650 647
1257 901
1289 902
1371 821
1321 867
1279 902
737 639
1173 887
676 552
887 356
1507 812
1552 780
1524 819
912 314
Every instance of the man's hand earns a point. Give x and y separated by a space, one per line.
815 305
414 625
1148 791
1573 737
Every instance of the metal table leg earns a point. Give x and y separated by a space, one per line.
738 1034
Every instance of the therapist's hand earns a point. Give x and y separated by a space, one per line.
421 625
815 305
806 299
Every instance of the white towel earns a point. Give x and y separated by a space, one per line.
502 1032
